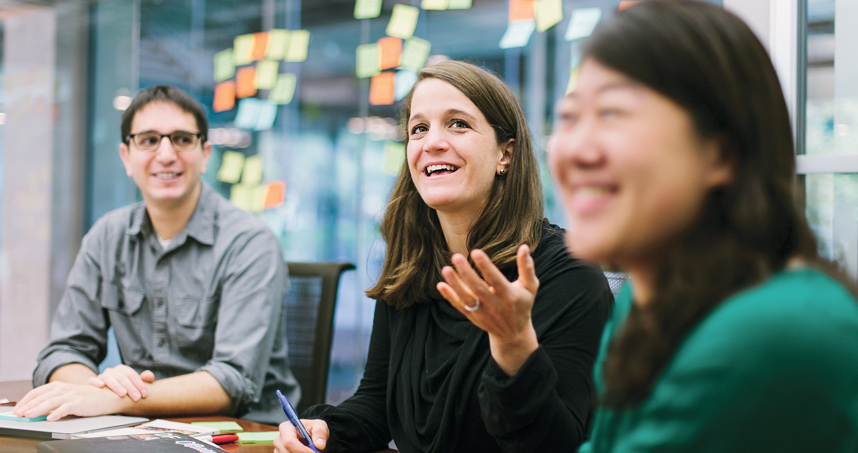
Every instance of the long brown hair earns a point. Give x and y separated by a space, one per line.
416 248
711 64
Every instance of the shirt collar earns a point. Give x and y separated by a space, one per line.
200 226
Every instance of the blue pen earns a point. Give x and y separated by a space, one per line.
293 418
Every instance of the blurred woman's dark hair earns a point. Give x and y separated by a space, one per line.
711 64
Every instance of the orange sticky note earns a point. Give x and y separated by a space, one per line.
246 80
224 96
274 196
389 49
626 4
260 46
522 10
381 89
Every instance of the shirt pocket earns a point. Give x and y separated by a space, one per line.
123 310
196 321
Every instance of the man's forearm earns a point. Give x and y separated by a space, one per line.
189 394
73 373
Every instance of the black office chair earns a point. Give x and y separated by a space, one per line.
310 307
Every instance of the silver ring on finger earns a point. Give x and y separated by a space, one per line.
473 308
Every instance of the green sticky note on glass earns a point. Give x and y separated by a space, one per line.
415 51
257 198
267 114
460 4
437 5
278 42
368 60
231 164
403 21
224 427
248 113
266 74
299 45
224 67
284 89
582 23
548 14
367 9
264 437
394 156
239 195
252 174
517 34
241 49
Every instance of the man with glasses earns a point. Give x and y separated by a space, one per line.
192 286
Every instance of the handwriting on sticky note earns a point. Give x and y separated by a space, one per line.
367 9
224 67
389 49
381 90
548 14
242 47
284 89
231 165
224 96
517 34
582 23
368 61
252 174
403 21
394 157
415 52
299 45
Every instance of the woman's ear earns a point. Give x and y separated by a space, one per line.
506 152
722 162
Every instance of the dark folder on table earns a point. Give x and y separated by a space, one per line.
66 427
135 443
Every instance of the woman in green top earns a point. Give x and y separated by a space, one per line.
674 159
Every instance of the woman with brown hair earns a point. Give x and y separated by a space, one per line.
509 372
674 159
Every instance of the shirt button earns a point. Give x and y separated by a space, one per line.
161 342
159 302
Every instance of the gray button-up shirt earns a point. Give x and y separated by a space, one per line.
213 301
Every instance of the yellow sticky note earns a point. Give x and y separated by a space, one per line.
548 14
266 74
461 4
278 42
367 9
239 195
257 198
415 51
573 80
231 164
261 437
368 60
394 157
224 67
284 89
299 45
241 49
437 5
252 174
403 21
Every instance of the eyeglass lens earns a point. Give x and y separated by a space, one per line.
180 140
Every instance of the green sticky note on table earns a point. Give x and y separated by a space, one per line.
284 89
367 9
9 415
299 45
262 437
224 67
368 60
231 164
224 427
266 74
278 42
548 14
403 21
415 51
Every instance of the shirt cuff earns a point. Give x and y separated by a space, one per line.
47 366
241 389
512 402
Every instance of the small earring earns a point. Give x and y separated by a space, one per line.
503 171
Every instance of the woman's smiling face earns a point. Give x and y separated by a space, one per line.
453 153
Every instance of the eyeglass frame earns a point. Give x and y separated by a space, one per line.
199 135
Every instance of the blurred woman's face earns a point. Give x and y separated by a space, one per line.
630 168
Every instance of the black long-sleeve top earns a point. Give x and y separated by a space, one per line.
431 385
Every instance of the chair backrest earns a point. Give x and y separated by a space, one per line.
310 306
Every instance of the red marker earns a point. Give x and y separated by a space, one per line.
224 438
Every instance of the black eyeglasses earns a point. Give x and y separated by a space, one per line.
181 140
